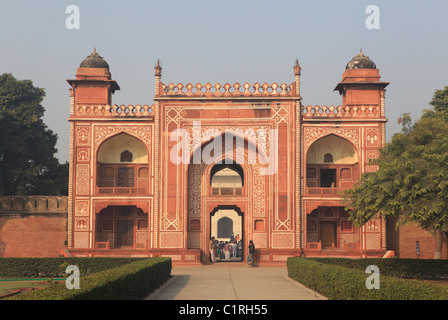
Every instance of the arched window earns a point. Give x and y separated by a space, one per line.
126 156
328 158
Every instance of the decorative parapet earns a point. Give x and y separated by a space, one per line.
347 112
114 111
227 90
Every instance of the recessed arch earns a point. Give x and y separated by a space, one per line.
111 150
332 147
225 227
122 166
227 175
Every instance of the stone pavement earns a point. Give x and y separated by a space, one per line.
232 281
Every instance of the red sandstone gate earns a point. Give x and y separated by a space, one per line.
179 197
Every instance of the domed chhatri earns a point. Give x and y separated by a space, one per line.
361 61
94 61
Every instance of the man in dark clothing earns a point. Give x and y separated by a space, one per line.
212 247
251 253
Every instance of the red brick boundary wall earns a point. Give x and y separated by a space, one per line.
403 241
33 226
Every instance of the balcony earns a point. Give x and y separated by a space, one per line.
124 187
227 191
324 192
121 191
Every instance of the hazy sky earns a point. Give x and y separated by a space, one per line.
226 41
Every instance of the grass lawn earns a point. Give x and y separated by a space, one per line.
7 284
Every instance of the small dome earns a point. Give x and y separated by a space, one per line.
94 61
361 61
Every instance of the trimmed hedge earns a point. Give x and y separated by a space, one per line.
340 283
401 268
132 281
55 267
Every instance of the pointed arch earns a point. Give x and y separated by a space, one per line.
111 149
122 166
332 149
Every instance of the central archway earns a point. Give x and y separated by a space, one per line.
247 192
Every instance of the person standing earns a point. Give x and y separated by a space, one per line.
235 249
227 251
240 249
212 249
251 253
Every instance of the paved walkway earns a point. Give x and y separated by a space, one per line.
232 281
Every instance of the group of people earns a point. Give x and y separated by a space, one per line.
230 249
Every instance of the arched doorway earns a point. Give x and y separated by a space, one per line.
227 226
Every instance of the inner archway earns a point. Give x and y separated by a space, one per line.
226 226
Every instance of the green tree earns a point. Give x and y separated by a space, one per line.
412 180
27 147
440 101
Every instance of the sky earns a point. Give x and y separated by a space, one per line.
226 41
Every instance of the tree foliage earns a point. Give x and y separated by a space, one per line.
412 180
27 147
440 101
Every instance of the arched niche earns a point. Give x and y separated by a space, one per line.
331 163
122 166
122 148
227 178
332 149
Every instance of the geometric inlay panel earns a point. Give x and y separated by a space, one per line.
82 179
171 239
373 241
282 240
81 240
260 239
